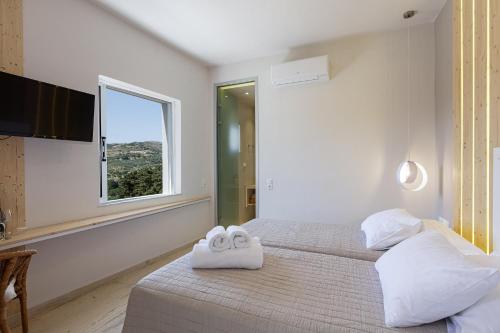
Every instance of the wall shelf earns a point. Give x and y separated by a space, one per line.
251 193
33 235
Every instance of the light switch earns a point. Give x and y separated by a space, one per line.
269 184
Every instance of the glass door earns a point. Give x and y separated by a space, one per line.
236 195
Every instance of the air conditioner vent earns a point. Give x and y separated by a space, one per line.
301 71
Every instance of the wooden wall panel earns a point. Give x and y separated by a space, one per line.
12 149
476 110
467 123
481 142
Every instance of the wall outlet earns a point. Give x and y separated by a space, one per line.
269 184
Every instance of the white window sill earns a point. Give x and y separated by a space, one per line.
103 202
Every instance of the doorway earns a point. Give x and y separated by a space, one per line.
236 157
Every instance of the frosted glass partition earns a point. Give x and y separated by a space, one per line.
236 154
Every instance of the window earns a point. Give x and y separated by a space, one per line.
140 142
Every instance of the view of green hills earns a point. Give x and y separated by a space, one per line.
134 169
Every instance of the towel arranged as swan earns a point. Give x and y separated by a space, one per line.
231 248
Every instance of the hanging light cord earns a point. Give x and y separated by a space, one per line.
408 90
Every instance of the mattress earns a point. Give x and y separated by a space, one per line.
337 239
294 292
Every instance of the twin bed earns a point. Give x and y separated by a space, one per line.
343 240
316 278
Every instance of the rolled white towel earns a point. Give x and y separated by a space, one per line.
218 239
238 237
248 258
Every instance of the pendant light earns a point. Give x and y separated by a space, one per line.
411 175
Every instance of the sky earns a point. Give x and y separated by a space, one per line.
132 119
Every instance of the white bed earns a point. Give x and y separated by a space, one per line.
294 292
335 239
304 286
342 240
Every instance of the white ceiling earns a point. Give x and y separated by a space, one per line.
226 31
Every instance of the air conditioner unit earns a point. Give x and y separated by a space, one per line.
301 71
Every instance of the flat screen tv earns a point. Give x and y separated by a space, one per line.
37 109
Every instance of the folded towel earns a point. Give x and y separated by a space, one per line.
238 237
218 239
248 258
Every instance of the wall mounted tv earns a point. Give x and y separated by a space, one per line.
37 109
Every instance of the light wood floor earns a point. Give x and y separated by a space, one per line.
101 310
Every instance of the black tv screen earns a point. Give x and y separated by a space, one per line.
32 108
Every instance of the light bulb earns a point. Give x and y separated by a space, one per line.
412 176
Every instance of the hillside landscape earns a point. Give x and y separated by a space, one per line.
134 169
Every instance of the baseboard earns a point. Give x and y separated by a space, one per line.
14 319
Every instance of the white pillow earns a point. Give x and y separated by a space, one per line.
389 227
425 279
464 246
483 316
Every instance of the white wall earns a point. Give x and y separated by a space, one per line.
69 43
444 108
333 148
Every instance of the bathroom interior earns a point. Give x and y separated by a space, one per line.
236 154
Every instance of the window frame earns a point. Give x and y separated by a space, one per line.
171 140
